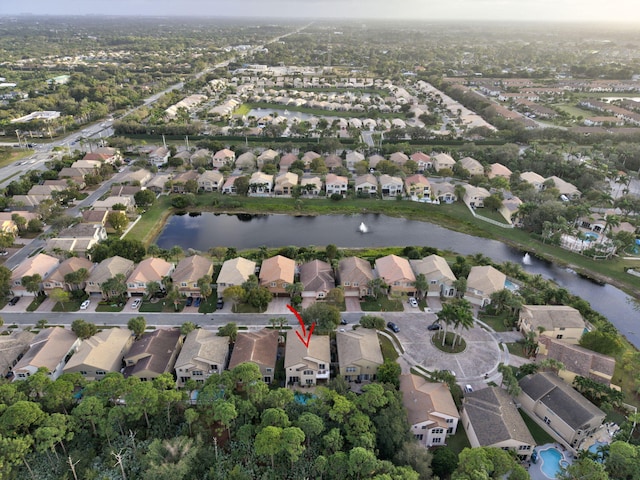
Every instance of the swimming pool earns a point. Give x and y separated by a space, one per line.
594 449
509 285
590 237
552 460
303 398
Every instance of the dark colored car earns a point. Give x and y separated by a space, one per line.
14 300
188 302
220 304
196 302
434 326
393 327
343 321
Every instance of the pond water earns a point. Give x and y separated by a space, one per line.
206 230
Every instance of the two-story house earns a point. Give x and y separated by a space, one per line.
366 184
471 165
336 184
417 186
260 183
554 321
260 348
307 365
359 354
317 278
438 273
285 183
203 354
148 270
57 278
354 275
276 273
100 354
106 270
391 186
41 264
442 161
210 181
187 273
154 354
397 274
482 282
50 349
235 271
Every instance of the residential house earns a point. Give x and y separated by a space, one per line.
285 183
158 183
187 273
307 366
366 184
431 411
246 161
95 217
311 185
159 156
422 160
417 186
180 182
234 272
499 170
260 183
101 354
444 192
268 156
12 348
317 278
125 191
308 157
352 158
555 321
566 189
210 181
110 202
86 164
491 419
482 282
104 154
57 278
397 274
471 165
354 275
49 349
203 354
359 354
148 270
229 186
287 160
559 409
40 264
474 196
153 354
260 348
509 208
442 161
332 162
136 177
578 361
77 239
185 156
374 160
398 158
534 179
223 157
74 174
336 184
391 186
201 156
438 274
277 273
106 270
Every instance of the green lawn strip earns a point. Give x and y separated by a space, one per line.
70 306
388 352
495 321
35 303
516 349
537 432
459 441
209 305
381 304
246 308
109 307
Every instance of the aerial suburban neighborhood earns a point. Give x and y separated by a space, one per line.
310 246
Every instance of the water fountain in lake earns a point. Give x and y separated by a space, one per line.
363 228
526 259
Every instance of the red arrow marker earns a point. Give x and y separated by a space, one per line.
304 338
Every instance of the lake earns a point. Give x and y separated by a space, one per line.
206 230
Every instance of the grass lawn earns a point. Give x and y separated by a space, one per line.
537 432
516 349
381 304
388 352
492 214
70 306
459 441
161 306
109 307
461 345
209 305
495 321
246 308
37 301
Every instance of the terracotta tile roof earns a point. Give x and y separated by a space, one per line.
236 271
317 276
149 270
191 269
486 279
259 347
357 345
317 352
393 268
70 265
422 398
48 348
552 316
153 352
277 268
355 268
103 351
109 268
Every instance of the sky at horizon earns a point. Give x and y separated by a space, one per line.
625 11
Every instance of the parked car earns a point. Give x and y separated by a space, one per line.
189 302
413 302
14 300
343 321
220 304
434 326
84 305
136 303
197 301
468 389
393 327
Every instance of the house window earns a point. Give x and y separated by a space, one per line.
450 430
285 284
83 372
309 381
269 370
351 369
196 373
419 437
356 284
346 284
524 447
423 427
273 284
437 431
183 284
100 372
433 282
267 379
559 336
213 367
547 420
449 420
437 440
321 366
308 372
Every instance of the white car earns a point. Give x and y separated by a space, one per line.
136 303
413 302
84 305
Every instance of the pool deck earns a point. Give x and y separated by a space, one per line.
535 470
603 435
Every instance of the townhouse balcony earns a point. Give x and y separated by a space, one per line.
322 374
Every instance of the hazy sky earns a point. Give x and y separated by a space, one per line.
554 10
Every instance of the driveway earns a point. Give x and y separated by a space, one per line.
353 304
278 306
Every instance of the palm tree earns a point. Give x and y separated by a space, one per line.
610 222
378 286
421 284
153 287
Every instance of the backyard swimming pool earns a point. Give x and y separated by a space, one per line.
591 237
509 285
594 449
552 460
